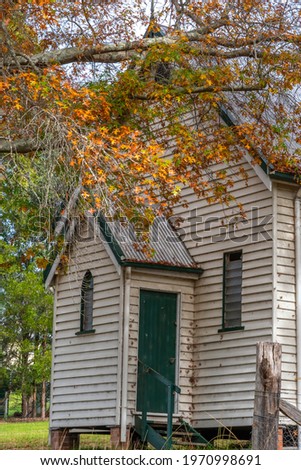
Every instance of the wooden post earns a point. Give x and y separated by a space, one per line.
267 397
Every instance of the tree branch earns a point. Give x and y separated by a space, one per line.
256 40
113 54
19 146
126 50
202 30
208 89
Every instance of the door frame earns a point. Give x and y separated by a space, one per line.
177 345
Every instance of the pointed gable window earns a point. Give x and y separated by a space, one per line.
86 305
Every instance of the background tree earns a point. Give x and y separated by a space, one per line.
26 309
26 323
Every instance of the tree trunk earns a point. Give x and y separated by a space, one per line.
43 400
24 405
34 403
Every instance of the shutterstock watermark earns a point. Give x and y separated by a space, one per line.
237 229
197 228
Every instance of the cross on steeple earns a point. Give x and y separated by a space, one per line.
152 12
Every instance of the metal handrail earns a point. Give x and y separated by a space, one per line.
158 376
171 389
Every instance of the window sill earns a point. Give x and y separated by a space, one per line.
232 328
84 332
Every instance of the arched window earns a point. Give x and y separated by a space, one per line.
86 305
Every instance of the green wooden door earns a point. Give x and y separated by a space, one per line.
157 347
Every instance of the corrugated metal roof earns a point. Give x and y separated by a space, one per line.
162 246
238 110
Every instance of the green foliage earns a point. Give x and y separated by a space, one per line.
32 197
26 309
26 327
15 404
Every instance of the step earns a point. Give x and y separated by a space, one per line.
183 434
180 431
188 444
151 435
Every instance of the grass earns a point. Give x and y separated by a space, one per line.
34 436
24 436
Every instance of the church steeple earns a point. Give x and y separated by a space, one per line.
154 29
161 70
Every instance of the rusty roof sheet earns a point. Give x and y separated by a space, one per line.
160 246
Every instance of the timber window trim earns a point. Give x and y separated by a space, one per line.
232 291
86 304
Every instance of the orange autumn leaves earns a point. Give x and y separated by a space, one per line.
118 167
126 137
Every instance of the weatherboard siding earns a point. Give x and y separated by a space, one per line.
216 369
224 361
286 289
85 367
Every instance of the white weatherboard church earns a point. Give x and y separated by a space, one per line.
177 332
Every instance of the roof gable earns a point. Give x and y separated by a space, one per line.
162 250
